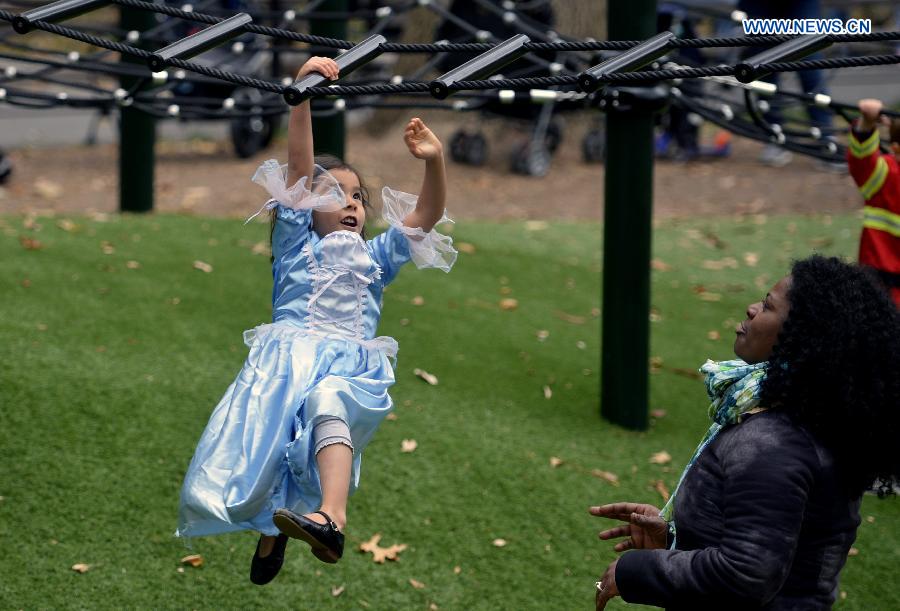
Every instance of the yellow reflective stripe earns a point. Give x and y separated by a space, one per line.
876 180
883 220
863 149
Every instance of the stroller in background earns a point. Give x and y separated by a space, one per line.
545 132
252 132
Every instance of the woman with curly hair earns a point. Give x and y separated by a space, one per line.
803 423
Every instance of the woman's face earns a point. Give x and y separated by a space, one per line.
757 335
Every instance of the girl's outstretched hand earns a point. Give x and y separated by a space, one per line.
421 141
325 66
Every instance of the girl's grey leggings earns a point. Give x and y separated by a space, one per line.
330 430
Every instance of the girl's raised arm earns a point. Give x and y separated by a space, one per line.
423 144
300 138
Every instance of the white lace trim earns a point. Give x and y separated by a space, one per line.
430 249
326 193
287 330
323 277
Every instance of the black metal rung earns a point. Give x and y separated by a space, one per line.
348 61
481 66
199 42
748 70
636 57
57 11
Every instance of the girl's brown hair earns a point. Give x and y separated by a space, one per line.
328 163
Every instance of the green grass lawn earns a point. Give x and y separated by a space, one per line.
114 350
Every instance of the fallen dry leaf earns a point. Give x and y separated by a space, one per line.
535 225
81 567
570 318
337 590
658 413
433 607
869 519
499 542
180 569
107 248
555 461
660 486
457 570
416 584
391 416
751 259
726 263
465 247
656 364
408 445
428 377
508 304
659 265
713 335
606 476
195 560
693 374
66 225
710 297
203 266
30 243
547 392
542 335
661 458
505 290
853 551
417 300
380 554
132 265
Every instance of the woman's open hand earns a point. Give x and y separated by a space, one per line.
644 528
421 141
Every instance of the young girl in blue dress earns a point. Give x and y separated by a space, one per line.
281 452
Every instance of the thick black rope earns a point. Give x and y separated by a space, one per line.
119 47
606 45
421 87
614 78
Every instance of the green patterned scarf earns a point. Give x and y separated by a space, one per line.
733 387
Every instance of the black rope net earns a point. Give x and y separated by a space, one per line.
239 95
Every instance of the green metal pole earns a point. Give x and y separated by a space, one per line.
137 132
329 133
627 233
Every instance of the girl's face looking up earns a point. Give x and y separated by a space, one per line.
352 217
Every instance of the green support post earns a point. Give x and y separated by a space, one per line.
137 131
627 236
329 133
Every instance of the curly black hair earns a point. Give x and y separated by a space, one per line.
835 369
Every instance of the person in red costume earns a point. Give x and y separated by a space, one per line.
878 176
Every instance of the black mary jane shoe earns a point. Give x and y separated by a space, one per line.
326 541
264 570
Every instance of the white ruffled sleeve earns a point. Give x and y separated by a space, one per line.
430 249
325 194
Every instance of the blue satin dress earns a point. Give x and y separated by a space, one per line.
319 357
